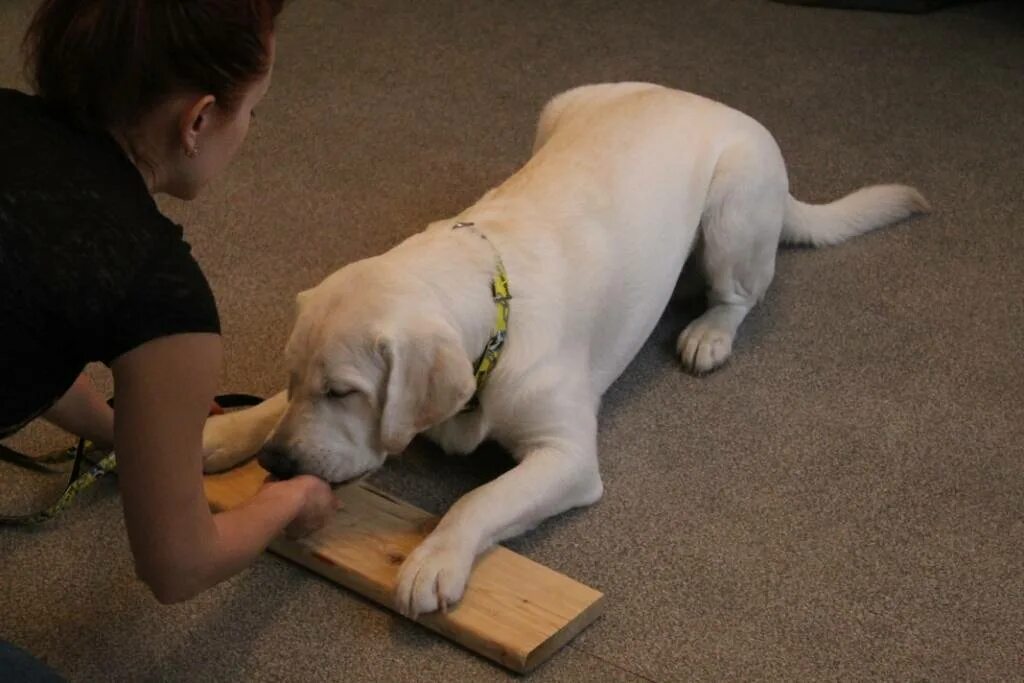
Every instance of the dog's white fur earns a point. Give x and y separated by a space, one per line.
626 179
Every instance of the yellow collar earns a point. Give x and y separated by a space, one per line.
500 293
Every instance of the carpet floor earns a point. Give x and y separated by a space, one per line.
843 500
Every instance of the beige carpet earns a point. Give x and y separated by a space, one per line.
845 500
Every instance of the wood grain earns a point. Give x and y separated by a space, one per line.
515 611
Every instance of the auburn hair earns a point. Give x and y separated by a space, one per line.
107 63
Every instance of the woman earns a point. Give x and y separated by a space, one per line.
134 99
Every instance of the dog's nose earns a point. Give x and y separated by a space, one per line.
277 462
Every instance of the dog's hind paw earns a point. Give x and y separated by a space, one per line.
703 346
227 442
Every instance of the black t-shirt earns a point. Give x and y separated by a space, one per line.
89 267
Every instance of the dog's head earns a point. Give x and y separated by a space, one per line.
369 368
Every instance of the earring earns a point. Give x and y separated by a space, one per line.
192 152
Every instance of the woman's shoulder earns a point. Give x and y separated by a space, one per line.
12 100
41 139
28 123
77 223
61 182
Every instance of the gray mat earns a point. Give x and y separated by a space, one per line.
844 500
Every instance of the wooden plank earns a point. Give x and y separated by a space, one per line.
515 611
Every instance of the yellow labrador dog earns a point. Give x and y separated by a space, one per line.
625 181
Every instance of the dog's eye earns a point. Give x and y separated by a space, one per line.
338 394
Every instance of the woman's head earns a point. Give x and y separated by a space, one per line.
174 81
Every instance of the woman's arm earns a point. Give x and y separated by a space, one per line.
83 412
164 389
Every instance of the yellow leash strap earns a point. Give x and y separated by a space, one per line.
77 483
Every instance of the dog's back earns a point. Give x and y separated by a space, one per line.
603 216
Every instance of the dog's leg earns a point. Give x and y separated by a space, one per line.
230 438
554 475
460 435
740 236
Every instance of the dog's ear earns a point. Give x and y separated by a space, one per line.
302 300
429 379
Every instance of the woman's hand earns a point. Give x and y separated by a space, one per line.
318 505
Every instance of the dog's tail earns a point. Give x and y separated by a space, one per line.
858 212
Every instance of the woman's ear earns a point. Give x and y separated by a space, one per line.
429 379
194 120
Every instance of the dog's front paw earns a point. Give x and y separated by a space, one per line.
434 576
227 442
